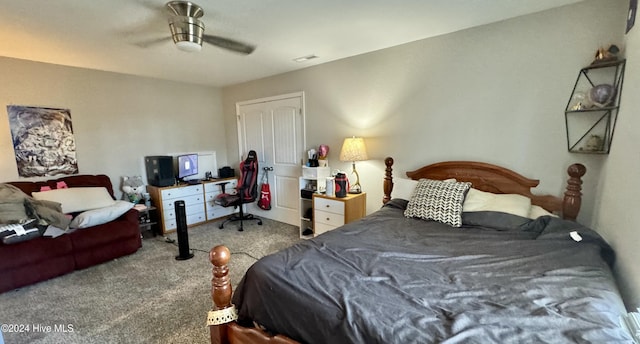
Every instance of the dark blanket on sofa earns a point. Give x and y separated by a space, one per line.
391 279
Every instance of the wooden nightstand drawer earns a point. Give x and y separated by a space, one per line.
331 219
329 205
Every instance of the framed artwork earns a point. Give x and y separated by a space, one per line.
631 15
43 141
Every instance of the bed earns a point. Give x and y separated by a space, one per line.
481 275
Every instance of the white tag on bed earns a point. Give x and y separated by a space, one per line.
575 236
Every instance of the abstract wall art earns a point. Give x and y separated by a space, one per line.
43 141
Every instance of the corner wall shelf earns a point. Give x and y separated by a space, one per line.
592 109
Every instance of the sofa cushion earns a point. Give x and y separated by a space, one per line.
117 230
33 251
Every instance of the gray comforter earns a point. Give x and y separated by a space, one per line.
389 279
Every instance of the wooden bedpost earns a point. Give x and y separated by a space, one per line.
388 180
573 195
220 290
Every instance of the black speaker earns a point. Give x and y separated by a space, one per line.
184 252
160 170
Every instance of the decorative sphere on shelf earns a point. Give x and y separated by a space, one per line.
602 95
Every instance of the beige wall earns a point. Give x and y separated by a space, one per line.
117 119
496 93
617 215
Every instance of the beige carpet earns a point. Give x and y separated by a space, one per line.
147 297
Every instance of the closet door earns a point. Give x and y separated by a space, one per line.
274 128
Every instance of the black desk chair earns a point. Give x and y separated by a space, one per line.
247 192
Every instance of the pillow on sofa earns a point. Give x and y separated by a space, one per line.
78 198
515 204
102 215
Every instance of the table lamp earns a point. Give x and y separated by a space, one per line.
353 150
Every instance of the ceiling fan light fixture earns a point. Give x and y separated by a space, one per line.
188 46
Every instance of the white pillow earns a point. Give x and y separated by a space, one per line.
515 204
99 216
536 211
77 199
403 187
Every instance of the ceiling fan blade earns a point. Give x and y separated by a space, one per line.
152 42
229 44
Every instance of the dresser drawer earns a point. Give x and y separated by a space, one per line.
170 213
169 204
172 224
181 192
328 218
328 205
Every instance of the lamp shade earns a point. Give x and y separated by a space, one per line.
353 149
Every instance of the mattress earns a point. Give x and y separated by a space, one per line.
386 278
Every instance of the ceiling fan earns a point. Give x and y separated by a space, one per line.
188 34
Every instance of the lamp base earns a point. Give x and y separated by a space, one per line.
355 189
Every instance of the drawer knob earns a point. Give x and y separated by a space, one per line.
327 206
328 219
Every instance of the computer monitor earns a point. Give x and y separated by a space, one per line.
187 165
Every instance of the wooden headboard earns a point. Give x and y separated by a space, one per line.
497 179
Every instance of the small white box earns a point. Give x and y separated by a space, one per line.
315 172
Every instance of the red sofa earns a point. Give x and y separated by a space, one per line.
43 258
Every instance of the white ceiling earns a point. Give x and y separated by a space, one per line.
113 35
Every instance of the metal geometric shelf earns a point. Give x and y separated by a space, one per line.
591 124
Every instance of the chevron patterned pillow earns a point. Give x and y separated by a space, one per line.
439 201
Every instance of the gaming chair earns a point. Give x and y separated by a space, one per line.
247 191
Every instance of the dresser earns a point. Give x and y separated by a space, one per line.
199 202
331 212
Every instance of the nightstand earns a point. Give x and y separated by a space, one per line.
146 220
331 212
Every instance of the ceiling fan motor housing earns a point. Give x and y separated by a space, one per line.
186 31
